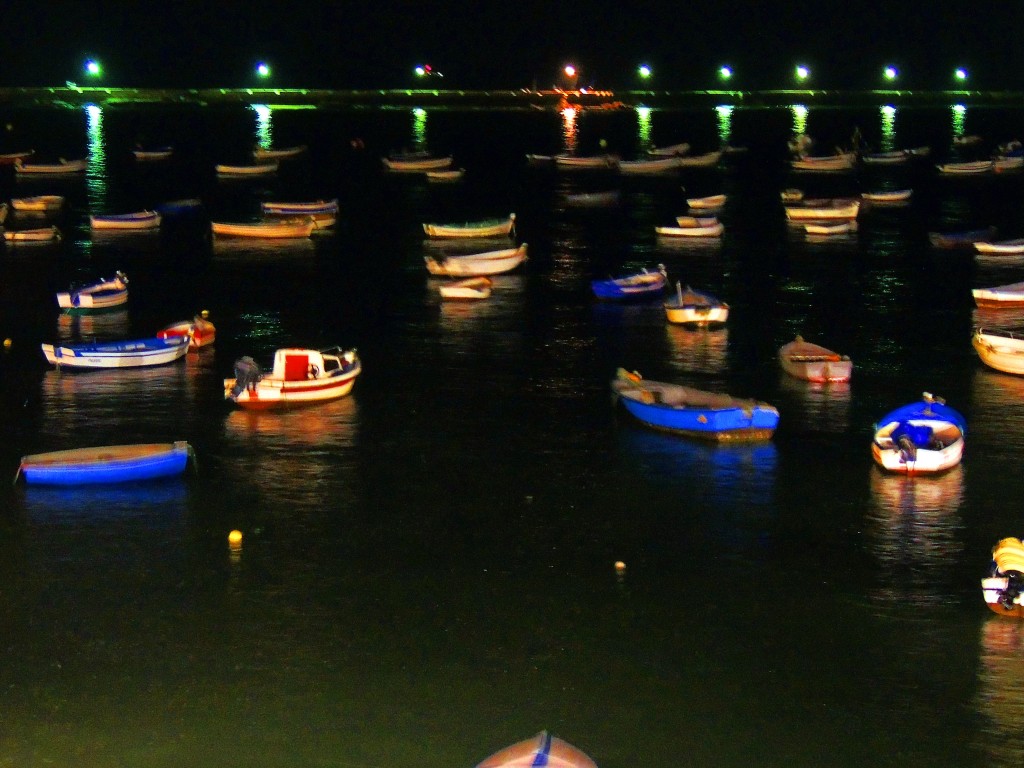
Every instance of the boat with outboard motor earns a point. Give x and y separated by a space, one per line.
920 438
298 377
1003 588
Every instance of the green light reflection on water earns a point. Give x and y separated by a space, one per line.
799 118
888 116
419 128
643 128
96 170
959 118
264 125
724 114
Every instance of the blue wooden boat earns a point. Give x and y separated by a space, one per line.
694 412
106 464
641 285
118 354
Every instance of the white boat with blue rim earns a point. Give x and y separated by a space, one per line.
133 221
103 296
923 437
134 353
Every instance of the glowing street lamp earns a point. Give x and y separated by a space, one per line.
644 71
570 75
802 72
262 69
724 73
960 74
93 68
890 73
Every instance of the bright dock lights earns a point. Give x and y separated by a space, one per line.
570 70
93 68
960 74
725 73
890 73
802 72
644 71
263 69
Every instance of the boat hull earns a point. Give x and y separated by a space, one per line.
812 362
926 437
697 315
719 425
478 265
1002 353
106 464
275 392
490 228
127 354
540 751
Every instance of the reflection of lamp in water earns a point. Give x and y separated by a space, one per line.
569 129
419 127
264 128
799 118
724 114
888 127
643 127
959 118
95 175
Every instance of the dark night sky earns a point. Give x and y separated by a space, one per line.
513 44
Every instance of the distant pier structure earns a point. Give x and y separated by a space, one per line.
524 98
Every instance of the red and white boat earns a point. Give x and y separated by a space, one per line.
540 750
813 362
299 377
201 332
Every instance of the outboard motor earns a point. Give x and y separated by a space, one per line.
1014 586
247 374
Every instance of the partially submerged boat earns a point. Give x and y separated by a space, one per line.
813 362
298 377
919 438
106 464
694 412
103 296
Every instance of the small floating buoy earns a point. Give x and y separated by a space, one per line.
204 314
235 539
7 343
620 568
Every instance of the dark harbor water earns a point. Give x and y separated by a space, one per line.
427 572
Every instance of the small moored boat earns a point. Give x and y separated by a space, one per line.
136 353
819 210
708 202
106 464
585 163
37 203
692 307
62 167
416 163
1003 588
137 220
483 228
694 412
706 160
264 154
540 751
1001 246
641 285
670 150
919 438
1000 296
967 168
37 235
887 196
102 296
693 226
298 377
199 330
299 208
150 155
258 169
447 174
965 239
1000 350
478 264
829 228
470 288
650 167
273 230
813 362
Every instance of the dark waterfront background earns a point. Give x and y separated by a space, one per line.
427 572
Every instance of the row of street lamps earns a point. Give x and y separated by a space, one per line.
802 73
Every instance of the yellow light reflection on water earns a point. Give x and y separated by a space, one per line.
799 118
959 118
724 114
419 128
569 130
888 114
643 127
264 126
96 171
